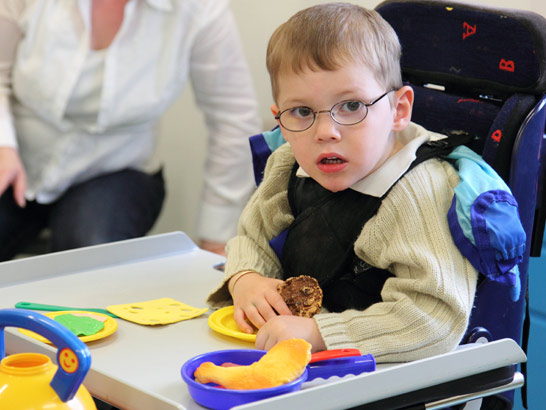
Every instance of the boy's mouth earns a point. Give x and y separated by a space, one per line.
332 160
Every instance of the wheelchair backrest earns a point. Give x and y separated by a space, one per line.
481 71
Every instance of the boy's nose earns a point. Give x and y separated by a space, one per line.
326 128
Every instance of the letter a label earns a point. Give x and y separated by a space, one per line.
468 30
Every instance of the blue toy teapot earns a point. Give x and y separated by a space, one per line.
31 380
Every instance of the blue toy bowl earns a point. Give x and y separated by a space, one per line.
210 396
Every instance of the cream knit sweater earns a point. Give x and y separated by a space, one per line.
426 305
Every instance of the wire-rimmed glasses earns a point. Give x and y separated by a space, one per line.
347 112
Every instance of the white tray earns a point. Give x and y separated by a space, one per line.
138 367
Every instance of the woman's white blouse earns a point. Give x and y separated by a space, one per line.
45 79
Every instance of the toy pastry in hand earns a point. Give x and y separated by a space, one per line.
302 295
283 363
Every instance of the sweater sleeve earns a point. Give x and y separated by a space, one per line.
426 305
222 86
265 216
10 34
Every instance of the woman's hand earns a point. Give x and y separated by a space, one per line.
285 327
214 247
256 299
13 173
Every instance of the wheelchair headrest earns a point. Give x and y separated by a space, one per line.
460 46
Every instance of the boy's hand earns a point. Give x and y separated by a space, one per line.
256 298
13 173
285 327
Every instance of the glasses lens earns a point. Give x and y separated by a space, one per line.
297 118
349 112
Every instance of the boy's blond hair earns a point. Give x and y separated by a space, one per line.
327 36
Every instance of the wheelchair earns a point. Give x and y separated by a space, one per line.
481 71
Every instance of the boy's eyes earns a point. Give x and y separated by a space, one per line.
301 112
350 106
339 108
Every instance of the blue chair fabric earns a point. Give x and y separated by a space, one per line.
481 71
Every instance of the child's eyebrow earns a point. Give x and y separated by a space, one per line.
295 103
355 93
339 97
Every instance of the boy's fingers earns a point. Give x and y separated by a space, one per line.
251 315
239 317
263 339
270 343
278 303
259 343
266 310
254 316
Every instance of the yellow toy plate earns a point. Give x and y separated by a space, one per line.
156 312
110 325
222 321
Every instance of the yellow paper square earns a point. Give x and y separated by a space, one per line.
156 312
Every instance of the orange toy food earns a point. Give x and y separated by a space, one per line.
285 362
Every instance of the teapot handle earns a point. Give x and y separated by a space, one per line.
73 356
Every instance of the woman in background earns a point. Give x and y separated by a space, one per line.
82 87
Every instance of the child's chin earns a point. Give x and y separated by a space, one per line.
334 186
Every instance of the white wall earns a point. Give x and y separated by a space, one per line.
182 142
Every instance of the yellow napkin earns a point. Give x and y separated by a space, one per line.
156 312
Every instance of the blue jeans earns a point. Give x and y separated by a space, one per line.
108 208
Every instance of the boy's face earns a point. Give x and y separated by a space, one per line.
335 155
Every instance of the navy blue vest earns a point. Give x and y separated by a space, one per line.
320 241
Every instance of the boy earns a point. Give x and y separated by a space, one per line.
362 216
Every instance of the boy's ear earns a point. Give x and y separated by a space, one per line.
274 109
403 103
